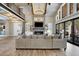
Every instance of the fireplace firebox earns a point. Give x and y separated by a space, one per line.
38 28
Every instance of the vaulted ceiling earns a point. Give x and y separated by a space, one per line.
47 9
39 8
52 9
33 9
6 15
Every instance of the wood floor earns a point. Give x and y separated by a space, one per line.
7 46
40 53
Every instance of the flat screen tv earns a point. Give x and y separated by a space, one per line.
38 24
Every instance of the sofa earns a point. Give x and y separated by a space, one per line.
41 43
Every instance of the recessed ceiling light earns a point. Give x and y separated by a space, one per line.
49 3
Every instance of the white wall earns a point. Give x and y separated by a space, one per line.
50 21
49 28
13 28
17 28
29 19
8 28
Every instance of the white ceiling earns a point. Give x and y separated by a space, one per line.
21 4
3 17
6 15
38 8
52 9
2 10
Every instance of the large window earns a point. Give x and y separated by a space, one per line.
71 8
61 26
76 30
57 29
61 30
64 11
2 29
68 30
77 6
72 31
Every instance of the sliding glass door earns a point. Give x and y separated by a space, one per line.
72 31
68 30
57 29
76 30
61 30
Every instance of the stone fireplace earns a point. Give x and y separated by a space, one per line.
38 28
